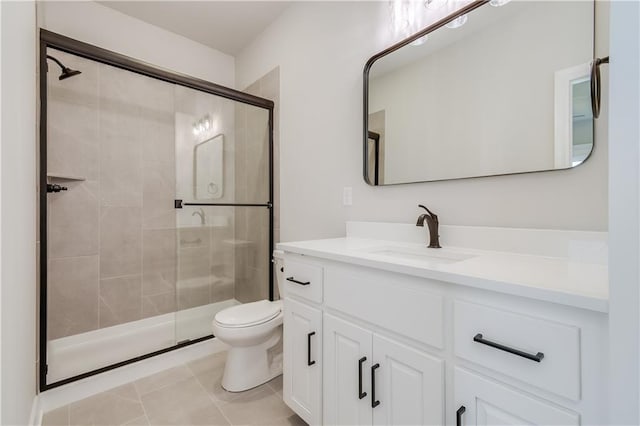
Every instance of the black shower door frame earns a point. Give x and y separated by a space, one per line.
50 39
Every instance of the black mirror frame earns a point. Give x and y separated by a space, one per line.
365 107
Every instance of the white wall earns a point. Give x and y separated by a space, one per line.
0 214
624 213
18 211
321 48
107 28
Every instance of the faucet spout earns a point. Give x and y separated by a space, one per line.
201 214
432 224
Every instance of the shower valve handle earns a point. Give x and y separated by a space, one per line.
55 187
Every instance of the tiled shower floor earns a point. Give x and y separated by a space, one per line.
190 394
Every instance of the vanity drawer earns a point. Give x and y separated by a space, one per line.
303 278
395 302
538 352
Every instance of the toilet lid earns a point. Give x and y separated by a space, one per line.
248 314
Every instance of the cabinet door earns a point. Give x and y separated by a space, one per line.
409 385
346 372
487 402
302 378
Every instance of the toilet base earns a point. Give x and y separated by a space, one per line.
250 366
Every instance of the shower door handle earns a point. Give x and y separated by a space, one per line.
309 362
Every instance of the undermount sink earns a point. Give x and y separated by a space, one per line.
422 254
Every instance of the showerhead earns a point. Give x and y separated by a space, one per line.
66 71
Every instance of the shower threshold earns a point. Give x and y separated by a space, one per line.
74 355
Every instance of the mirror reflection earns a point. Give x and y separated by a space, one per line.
503 90
208 173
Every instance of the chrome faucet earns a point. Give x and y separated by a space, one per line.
201 214
432 223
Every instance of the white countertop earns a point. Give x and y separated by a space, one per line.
566 281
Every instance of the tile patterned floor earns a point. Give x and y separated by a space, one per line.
190 394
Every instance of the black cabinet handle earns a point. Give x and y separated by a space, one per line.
293 280
309 362
537 357
360 393
459 414
374 402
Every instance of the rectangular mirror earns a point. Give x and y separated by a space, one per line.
488 91
207 169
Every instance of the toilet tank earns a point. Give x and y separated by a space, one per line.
278 264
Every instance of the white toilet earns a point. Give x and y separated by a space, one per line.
254 333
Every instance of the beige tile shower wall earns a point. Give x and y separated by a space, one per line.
73 216
252 173
205 261
112 239
118 252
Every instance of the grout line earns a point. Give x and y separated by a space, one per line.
146 415
139 121
272 388
68 409
215 402
100 188
137 399
119 276
165 385
135 420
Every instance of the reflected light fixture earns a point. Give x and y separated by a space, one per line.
435 4
458 22
420 41
201 125
407 18
498 3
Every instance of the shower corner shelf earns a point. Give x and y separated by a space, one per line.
61 176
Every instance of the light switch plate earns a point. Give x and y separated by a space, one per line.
347 196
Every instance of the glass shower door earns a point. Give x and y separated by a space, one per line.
127 272
223 184
110 227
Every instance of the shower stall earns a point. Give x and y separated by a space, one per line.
156 208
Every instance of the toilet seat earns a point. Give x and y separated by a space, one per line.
248 314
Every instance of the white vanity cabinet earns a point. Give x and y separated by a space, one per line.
409 385
370 379
302 382
484 402
392 348
347 372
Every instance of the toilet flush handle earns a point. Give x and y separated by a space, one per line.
293 280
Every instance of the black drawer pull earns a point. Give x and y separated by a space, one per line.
309 362
374 401
360 393
459 414
293 280
537 357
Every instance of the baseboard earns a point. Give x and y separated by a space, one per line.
72 392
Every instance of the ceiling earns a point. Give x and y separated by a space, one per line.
227 26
